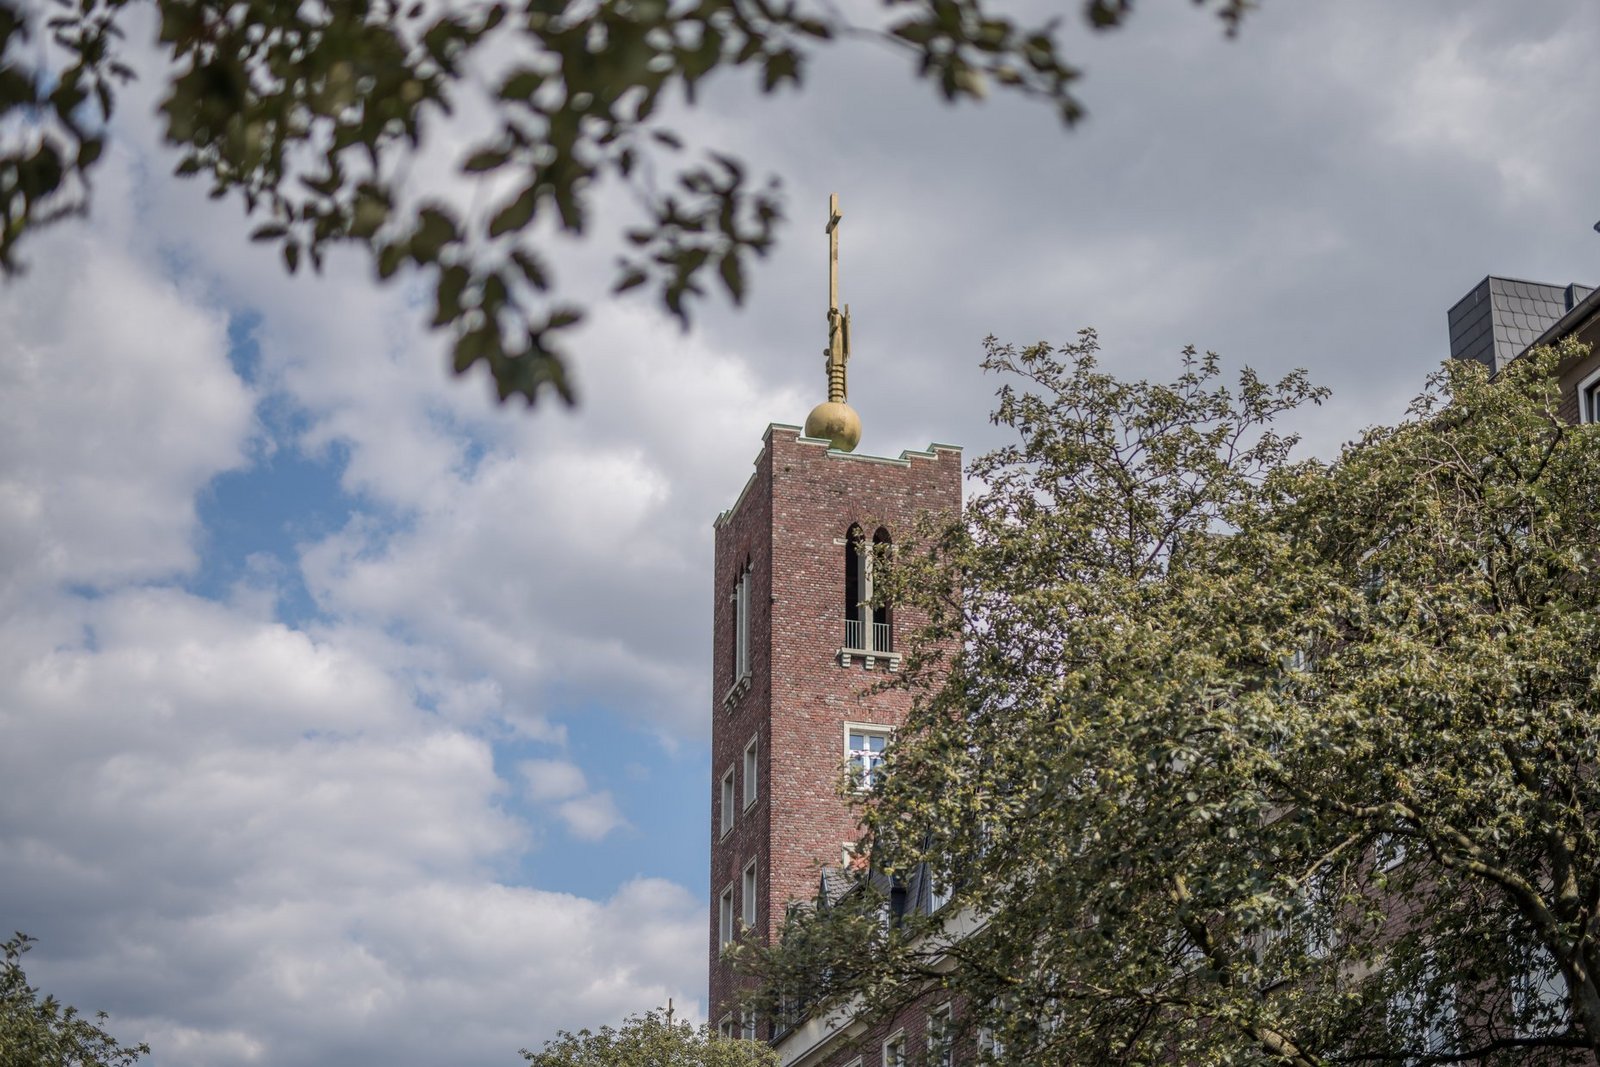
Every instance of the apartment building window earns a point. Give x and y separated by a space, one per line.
1589 399
727 1027
752 773
727 801
894 1050
748 897
938 893
864 746
941 1038
749 1024
1539 998
725 917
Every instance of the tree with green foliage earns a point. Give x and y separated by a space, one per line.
1233 759
654 1039
37 1032
310 115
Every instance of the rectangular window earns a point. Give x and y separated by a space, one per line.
1589 399
938 894
864 747
749 896
990 1048
727 801
941 1038
749 1024
727 1028
894 1051
752 773
725 916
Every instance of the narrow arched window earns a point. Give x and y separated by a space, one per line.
857 593
882 630
741 624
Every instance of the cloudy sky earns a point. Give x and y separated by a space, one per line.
347 718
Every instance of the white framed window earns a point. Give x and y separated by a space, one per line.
727 801
863 751
741 625
748 898
725 917
938 893
894 1050
1589 399
727 1028
752 772
749 1024
990 1048
941 1038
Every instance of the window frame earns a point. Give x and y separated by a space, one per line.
741 623
752 772
727 1028
864 785
1590 383
749 889
725 915
728 803
941 1036
896 1042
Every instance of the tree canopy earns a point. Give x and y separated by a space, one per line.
42 1032
1235 759
309 116
650 1040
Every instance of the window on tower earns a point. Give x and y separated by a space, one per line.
748 897
864 747
882 631
727 801
725 917
741 624
752 773
857 583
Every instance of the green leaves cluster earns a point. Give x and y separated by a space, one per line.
1234 759
42 1032
310 115
650 1040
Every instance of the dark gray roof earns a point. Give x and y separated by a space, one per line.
1497 321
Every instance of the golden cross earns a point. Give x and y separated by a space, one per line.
838 352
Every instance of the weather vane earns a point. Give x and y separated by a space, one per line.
835 420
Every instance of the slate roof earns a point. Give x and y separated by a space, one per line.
1497 321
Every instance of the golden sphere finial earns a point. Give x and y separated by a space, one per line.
837 422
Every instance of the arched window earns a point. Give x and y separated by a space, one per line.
741 624
882 630
857 589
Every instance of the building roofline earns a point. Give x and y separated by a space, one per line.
1570 323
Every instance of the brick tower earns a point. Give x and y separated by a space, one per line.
794 652
797 644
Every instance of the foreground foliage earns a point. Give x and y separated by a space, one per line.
311 117
43 1032
650 1040
1240 760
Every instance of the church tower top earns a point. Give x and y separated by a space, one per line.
835 420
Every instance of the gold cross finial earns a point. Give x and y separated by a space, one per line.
838 352
834 419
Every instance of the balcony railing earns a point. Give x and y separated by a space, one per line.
855 635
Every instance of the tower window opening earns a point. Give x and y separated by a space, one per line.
867 627
882 630
857 588
741 625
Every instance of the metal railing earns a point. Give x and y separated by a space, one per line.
854 634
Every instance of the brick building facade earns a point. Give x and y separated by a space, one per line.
794 655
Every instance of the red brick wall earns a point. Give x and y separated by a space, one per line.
800 502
